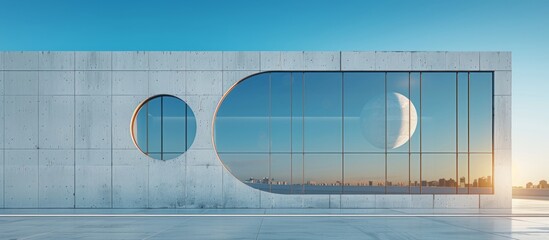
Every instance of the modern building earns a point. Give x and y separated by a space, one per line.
255 129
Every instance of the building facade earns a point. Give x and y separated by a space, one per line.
261 129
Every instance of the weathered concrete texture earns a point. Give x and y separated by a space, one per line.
21 178
93 83
204 83
56 83
93 60
202 157
166 183
130 175
393 201
93 179
386 61
130 83
122 112
469 61
20 83
167 82
56 178
323 61
358 201
130 60
56 128
241 61
204 61
20 60
56 60
204 187
203 108
495 61
428 61
1 82
93 122
2 178
502 83
363 61
2 121
502 122
21 122
273 200
456 201
167 60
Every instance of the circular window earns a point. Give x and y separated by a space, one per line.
163 127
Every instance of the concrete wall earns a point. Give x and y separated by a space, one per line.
65 139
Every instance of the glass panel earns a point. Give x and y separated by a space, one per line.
480 118
281 173
415 173
154 126
415 91
463 112
245 113
252 169
481 173
323 173
323 112
438 133
463 173
281 112
297 112
364 174
173 130
191 127
438 173
397 173
401 116
297 172
364 106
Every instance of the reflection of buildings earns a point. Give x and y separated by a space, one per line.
442 182
542 184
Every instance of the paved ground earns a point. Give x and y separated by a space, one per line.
529 219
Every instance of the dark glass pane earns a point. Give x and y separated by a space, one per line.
245 113
191 127
323 112
415 173
364 174
463 173
297 112
438 133
280 173
415 91
401 114
481 173
397 173
281 112
297 172
154 125
438 173
173 129
463 112
252 169
364 106
480 95
323 173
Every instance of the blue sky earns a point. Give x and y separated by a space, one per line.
517 26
